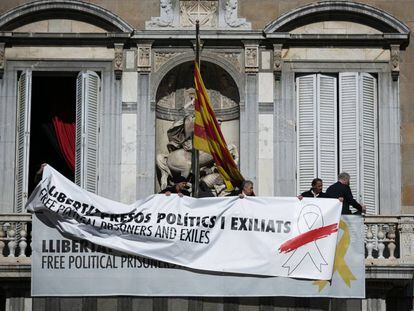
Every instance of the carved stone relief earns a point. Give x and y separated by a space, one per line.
395 62
166 18
175 125
2 59
212 14
234 58
231 16
277 61
144 58
160 58
206 12
118 60
251 58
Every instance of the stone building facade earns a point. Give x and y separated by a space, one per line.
304 89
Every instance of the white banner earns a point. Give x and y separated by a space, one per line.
255 236
66 267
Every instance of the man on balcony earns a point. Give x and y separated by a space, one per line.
341 189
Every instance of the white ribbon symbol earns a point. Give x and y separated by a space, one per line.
310 218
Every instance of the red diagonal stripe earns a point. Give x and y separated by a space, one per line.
307 237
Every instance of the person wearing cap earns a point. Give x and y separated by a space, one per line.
179 187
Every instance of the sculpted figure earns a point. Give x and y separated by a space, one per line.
231 15
177 162
166 17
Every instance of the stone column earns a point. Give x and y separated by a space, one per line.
284 127
110 132
249 114
145 124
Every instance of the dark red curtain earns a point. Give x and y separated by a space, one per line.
65 133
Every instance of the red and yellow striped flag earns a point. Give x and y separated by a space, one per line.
208 136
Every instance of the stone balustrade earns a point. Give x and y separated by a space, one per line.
389 240
15 250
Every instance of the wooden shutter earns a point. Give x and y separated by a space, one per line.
368 148
87 105
24 96
349 128
327 154
306 131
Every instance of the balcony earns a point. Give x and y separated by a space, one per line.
389 246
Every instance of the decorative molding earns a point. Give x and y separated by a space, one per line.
160 58
395 61
166 18
251 59
2 59
315 12
87 12
144 57
277 61
206 12
231 16
118 60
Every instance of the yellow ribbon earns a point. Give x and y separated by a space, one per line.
340 265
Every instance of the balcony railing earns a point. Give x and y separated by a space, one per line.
389 241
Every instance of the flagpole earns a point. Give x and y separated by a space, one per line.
195 165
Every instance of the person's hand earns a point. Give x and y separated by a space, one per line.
300 197
241 196
341 199
180 194
168 193
42 166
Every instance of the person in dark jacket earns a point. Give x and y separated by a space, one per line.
341 189
246 189
315 190
180 187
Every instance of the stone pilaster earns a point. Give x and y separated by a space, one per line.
406 227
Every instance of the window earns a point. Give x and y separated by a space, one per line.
86 143
337 131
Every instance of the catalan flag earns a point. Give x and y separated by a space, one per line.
208 136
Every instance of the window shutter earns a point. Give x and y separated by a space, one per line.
368 121
349 128
87 104
327 129
24 96
306 131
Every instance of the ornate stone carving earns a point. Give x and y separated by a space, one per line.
204 11
2 59
406 227
395 62
277 61
177 162
232 57
166 18
231 18
144 57
118 60
160 58
251 59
